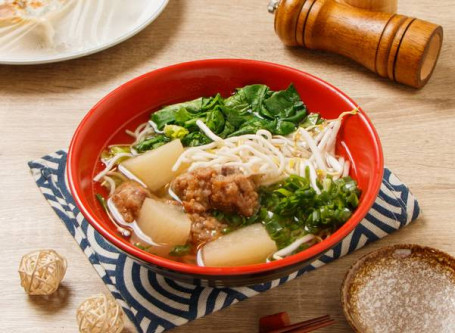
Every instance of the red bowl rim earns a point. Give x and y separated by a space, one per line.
311 252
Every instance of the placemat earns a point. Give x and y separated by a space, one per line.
154 303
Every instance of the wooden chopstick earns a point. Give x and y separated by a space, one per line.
306 326
313 327
301 324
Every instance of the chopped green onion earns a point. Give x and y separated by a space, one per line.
180 250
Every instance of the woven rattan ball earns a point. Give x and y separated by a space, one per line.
100 314
41 272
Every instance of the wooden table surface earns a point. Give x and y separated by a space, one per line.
40 107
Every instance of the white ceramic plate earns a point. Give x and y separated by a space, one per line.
75 33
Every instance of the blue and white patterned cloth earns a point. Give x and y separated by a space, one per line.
154 303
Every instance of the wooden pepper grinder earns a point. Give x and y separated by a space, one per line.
402 48
388 6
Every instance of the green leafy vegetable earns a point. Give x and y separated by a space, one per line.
167 115
195 139
248 110
180 250
312 119
295 208
151 143
215 120
256 107
234 221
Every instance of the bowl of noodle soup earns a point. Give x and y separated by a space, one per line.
133 116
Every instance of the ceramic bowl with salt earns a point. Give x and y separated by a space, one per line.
401 288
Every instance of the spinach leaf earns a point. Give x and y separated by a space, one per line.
228 129
257 107
311 120
248 110
237 117
248 98
286 104
211 102
215 120
167 114
284 127
253 125
151 143
195 139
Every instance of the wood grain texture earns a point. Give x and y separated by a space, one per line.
404 49
388 6
40 107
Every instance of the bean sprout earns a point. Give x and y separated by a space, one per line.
204 128
288 250
111 184
110 164
272 157
346 169
155 126
131 225
314 149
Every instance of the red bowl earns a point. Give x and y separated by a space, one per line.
131 104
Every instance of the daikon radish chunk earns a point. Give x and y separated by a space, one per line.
245 246
154 168
164 223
